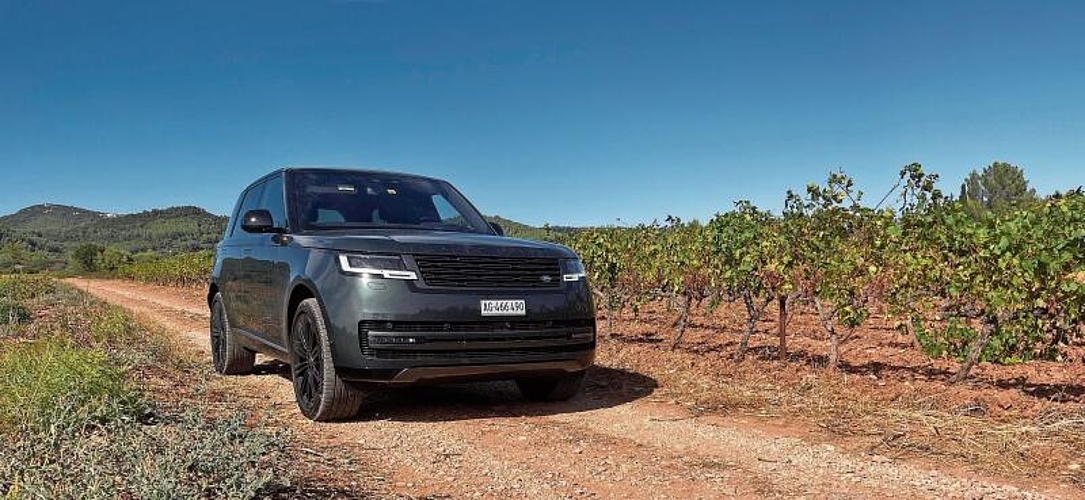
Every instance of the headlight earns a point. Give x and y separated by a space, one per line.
387 266
572 270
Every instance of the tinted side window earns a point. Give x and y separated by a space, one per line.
249 202
272 200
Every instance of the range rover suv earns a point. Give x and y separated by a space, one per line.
358 277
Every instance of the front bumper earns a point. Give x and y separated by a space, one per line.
389 330
409 344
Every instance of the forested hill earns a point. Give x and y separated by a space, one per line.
48 218
40 236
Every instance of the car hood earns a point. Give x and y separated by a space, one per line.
430 242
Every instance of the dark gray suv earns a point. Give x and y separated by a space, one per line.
356 277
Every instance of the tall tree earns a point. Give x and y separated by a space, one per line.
84 258
1000 187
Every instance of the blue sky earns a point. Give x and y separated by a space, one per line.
577 112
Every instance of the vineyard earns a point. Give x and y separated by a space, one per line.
1003 287
185 269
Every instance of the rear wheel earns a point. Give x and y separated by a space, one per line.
321 394
558 388
228 356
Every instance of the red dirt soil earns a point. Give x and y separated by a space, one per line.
881 362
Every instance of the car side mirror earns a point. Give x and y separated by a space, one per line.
497 228
258 221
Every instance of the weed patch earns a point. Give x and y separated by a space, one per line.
54 384
76 419
185 456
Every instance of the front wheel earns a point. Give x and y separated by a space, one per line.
558 388
321 394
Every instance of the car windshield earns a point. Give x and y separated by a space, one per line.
346 200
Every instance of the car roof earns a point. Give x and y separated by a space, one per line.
338 169
356 170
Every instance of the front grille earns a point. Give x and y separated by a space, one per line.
489 272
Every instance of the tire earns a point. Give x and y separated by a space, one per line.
228 356
322 396
558 388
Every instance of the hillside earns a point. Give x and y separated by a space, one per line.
40 236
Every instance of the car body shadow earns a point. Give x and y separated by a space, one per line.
603 388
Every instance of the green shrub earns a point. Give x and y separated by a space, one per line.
51 383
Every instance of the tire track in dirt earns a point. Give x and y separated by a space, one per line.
483 441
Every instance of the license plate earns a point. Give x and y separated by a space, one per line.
504 307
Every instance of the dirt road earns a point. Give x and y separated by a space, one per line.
616 440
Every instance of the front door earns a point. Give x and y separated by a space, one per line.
270 274
237 265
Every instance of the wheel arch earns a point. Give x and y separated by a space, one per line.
212 290
301 289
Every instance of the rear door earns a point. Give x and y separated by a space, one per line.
228 260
